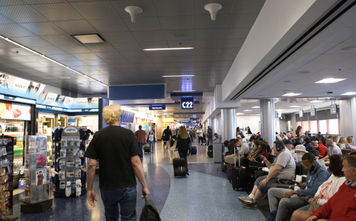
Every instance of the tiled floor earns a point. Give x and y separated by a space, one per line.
204 195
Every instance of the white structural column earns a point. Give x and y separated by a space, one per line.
267 120
348 117
228 123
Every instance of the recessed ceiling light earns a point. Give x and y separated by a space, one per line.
168 49
349 93
239 113
255 107
294 106
247 110
178 75
291 94
316 101
89 38
330 80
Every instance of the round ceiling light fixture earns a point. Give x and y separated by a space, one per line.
133 11
213 9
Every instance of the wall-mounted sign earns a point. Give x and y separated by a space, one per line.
333 109
15 111
301 113
187 103
312 111
157 107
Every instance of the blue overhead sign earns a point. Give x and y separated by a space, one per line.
157 107
187 103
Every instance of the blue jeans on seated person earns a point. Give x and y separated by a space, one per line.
125 197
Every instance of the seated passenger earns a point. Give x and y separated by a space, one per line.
342 143
282 168
286 200
342 205
325 191
298 153
323 150
350 143
307 144
332 148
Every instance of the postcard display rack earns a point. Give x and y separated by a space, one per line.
6 176
69 164
38 188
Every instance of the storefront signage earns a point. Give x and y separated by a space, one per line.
312 111
157 107
185 122
12 111
187 103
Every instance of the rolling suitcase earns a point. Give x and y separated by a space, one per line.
146 148
239 179
180 167
210 151
193 150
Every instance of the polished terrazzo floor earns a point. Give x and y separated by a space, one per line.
205 195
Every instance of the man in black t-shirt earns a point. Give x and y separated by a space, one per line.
116 150
166 137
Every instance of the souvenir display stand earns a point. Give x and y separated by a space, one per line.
6 176
38 188
69 163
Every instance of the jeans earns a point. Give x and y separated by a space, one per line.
151 143
286 206
125 197
140 153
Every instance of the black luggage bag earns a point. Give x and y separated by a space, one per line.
240 178
210 151
180 167
146 149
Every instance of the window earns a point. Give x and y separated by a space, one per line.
323 126
305 126
314 126
334 126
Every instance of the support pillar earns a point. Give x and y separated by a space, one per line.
267 120
228 123
347 117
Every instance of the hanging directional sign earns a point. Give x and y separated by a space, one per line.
187 103
157 107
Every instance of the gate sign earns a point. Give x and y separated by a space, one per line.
187 103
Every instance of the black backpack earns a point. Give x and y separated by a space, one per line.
149 212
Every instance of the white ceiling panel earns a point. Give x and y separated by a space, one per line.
43 28
22 13
76 27
14 30
58 12
109 25
97 10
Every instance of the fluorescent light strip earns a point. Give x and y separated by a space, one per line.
330 80
255 107
316 101
291 94
350 93
52 60
168 49
178 76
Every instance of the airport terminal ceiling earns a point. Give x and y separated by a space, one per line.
47 28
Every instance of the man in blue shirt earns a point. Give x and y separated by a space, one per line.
292 200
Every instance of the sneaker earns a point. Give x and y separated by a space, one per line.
250 202
249 206
242 198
